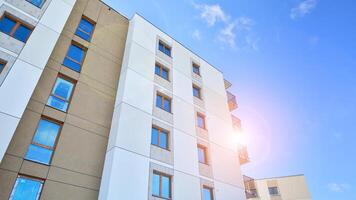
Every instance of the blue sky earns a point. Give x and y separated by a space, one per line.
293 68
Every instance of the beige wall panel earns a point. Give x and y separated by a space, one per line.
60 191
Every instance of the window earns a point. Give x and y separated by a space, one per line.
42 146
196 91
14 28
74 58
161 185
2 65
61 94
163 102
26 188
164 48
273 191
201 121
85 29
159 137
208 193
37 3
161 71
196 69
202 154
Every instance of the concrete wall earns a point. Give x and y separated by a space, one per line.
129 154
76 167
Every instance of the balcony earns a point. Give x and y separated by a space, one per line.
243 155
231 100
250 187
236 122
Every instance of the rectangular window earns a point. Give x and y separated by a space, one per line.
43 143
2 65
202 154
163 102
208 193
61 94
273 191
162 71
85 29
26 188
165 48
14 28
38 3
74 58
196 69
159 137
161 185
201 121
196 91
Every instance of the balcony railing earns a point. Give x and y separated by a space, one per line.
231 100
250 187
236 122
243 155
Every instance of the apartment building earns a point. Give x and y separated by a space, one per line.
277 188
97 106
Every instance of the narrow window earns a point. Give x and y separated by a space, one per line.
74 58
85 29
165 48
37 3
43 143
162 71
196 69
201 121
14 28
159 137
2 65
208 193
163 102
196 91
202 154
161 185
273 191
26 188
61 94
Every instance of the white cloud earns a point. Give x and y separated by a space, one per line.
211 13
196 34
335 187
227 35
303 8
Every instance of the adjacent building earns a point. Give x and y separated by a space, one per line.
277 188
94 105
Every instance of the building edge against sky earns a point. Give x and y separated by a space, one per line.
104 89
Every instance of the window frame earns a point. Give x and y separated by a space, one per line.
205 151
165 47
40 6
160 174
164 97
92 22
2 62
74 82
60 124
71 59
269 191
18 23
161 68
161 131
199 91
211 190
42 181
195 65
200 115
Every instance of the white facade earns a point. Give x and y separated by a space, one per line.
26 61
130 157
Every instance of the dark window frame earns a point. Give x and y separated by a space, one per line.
161 68
273 194
200 115
195 87
74 82
195 65
211 190
43 146
92 22
73 60
205 151
18 23
162 131
40 6
3 63
42 181
164 97
160 174
167 49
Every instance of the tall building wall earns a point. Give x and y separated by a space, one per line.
131 159
76 166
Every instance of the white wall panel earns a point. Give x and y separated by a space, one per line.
228 192
141 60
182 86
183 116
8 125
186 187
